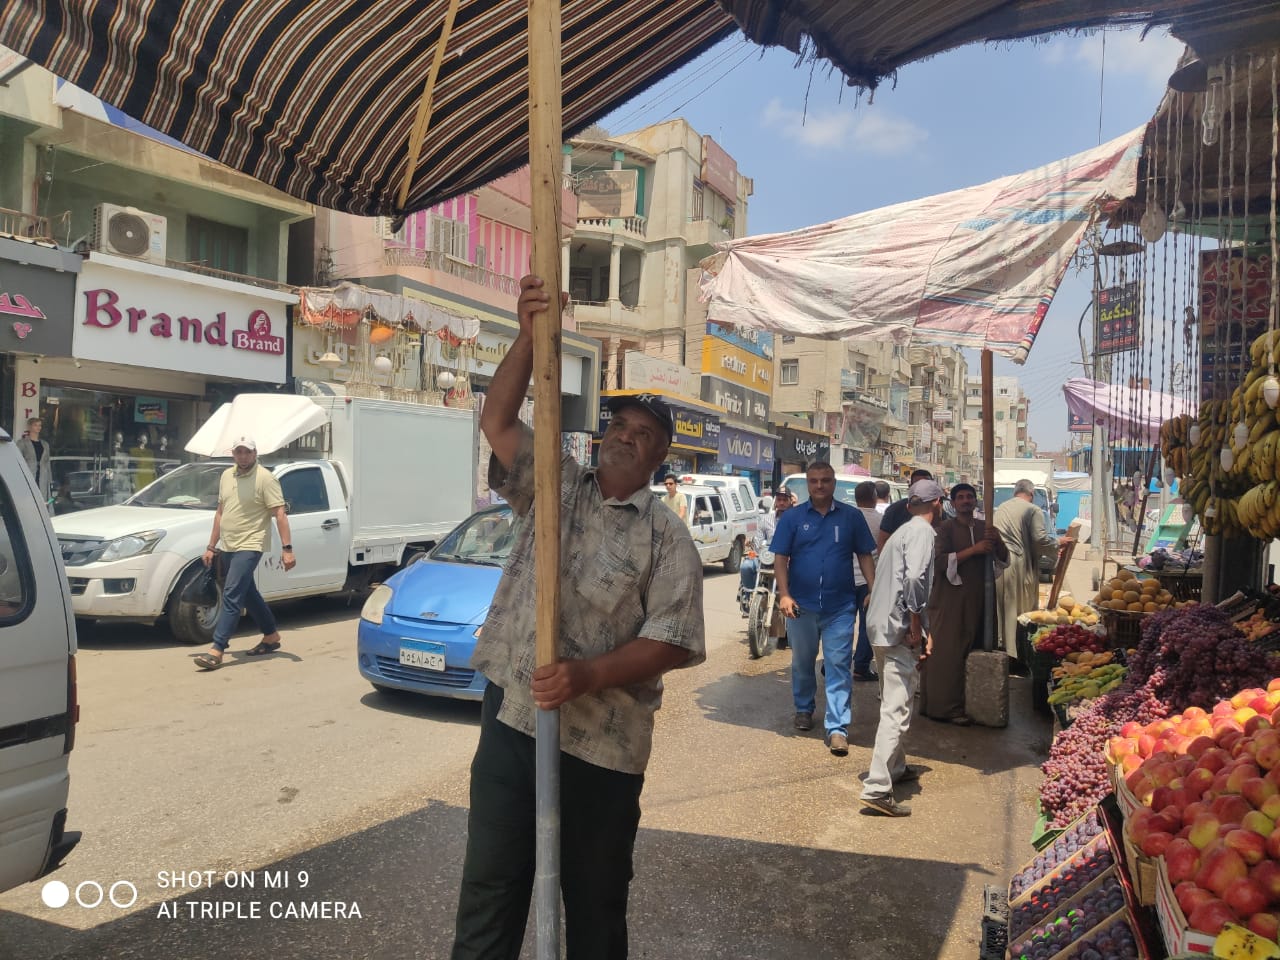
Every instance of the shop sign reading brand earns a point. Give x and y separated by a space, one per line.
143 318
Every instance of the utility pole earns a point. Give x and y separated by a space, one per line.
1100 495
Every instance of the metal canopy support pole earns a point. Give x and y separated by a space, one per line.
988 498
545 165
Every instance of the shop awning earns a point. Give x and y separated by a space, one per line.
1126 412
973 268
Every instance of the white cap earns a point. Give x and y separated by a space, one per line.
246 442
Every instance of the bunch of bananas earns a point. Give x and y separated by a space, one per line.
1257 510
1208 487
1174 444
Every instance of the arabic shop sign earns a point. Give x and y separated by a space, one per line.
695 429
169 320
36 301
749 406
741 448
802 447
1117 318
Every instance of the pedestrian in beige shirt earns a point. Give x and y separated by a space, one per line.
675 500
631 583
249 496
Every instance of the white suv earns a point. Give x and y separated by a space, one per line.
740 503
709 525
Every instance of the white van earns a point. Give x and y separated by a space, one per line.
709 525
740 502
38 705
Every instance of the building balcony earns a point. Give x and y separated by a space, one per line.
705 232
607 313
15 223
442 263
207 271
627 228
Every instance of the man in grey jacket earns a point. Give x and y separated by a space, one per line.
35 452
898 621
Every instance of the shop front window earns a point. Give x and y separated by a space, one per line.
105 446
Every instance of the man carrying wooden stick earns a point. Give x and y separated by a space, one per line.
631 611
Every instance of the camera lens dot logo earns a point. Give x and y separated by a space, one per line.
55 894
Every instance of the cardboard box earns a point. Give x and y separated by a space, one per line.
1018 930
1102 841
1125 799
1099 818
1142 872
1178 937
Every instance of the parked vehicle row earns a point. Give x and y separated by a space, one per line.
354 492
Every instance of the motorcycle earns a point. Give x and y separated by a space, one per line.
759 605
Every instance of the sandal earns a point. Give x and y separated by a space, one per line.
263 648
207 661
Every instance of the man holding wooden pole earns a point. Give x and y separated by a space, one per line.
631 588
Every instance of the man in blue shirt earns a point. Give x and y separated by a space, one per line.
814 546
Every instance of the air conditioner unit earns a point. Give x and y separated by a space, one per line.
129 232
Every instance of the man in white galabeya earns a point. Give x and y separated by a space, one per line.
249 496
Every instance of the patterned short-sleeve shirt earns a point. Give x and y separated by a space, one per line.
628 569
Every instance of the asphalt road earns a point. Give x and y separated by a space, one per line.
257 809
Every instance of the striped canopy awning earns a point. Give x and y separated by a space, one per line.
868 40
318 97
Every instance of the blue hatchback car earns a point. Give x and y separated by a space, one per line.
418 630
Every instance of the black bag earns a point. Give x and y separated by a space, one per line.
203 590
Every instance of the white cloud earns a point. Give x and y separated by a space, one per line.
1127 54
865 128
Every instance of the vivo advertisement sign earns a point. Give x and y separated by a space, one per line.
747 451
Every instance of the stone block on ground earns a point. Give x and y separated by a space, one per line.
986 688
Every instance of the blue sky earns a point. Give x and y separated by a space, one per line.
958 119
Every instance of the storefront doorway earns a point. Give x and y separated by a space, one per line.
105 446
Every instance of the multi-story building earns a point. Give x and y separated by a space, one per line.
651 204
1011 408
142 284
887 408
456 263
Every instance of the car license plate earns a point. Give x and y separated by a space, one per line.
422 654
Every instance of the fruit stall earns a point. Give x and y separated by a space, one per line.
1160 828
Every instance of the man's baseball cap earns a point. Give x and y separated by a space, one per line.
246 442
651 402
925 491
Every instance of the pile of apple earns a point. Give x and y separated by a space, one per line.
1210 785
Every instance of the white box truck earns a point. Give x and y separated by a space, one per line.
367 484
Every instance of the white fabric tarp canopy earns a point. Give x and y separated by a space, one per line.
271 420
1127 412
973 268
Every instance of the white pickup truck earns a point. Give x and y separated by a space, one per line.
378 482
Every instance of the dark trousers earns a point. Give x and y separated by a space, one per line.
862 644
239 592
599 815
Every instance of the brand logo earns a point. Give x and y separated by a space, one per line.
102 310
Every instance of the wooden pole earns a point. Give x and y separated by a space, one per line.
425 105
545 164
988 498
